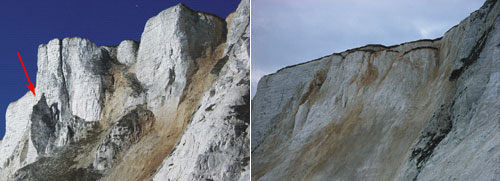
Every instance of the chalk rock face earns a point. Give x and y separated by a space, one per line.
85 70
201 152
170 44
16 151
423 110
121 112
127 52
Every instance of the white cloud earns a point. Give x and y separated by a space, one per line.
428 30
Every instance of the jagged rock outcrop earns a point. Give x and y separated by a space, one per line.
423 110
173 106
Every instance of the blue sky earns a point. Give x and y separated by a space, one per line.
26 24
287 32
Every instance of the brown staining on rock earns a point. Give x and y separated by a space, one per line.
337 139
334 140
386 72
312 92
144 157
370 74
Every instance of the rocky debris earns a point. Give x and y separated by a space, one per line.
126 131
422 110
62 165
117 112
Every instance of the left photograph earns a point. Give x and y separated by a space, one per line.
125 91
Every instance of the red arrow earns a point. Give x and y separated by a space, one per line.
31 86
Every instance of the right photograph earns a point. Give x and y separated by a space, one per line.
385 90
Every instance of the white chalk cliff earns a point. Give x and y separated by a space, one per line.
422 110
174 106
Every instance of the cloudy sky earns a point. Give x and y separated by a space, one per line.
287 32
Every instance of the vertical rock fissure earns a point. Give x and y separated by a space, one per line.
65 86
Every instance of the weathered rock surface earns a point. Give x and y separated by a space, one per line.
126 52
222 109
180 96
423 110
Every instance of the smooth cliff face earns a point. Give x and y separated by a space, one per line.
423 110
171 106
